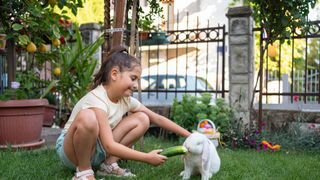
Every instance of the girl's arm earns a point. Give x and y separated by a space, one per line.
119 150
164 122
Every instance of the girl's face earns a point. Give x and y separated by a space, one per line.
128 81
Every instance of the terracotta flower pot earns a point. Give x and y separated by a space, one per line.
49 112
143 35
21 123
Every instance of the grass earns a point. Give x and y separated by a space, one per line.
239 164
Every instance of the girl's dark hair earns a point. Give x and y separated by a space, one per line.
118 57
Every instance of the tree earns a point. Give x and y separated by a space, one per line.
280 18
34 20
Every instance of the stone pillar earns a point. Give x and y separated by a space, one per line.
90 33
241 61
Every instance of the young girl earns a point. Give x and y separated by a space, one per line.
98 134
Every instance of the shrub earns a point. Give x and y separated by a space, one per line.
192 109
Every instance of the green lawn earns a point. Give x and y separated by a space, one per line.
239 164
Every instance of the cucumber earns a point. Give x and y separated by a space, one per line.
174 151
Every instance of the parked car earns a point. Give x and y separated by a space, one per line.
160 90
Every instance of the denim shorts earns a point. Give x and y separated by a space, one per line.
98 157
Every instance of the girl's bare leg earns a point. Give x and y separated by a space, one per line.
81 138
128 131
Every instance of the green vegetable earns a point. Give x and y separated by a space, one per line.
173 151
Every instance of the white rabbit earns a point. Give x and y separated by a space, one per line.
202 157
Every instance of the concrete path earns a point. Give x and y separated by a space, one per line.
50 135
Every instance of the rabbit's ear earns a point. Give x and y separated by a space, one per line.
206 154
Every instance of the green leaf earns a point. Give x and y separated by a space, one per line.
17 27
33 24
74 10
49 87
56 32
23 39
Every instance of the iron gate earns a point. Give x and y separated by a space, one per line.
189 61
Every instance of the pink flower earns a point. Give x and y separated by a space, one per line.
253 142
15 85
312 126
295 98
265 147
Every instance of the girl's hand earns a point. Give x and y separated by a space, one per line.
155 159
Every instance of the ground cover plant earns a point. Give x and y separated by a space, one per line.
236 164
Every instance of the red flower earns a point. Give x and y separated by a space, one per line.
295 98
62 40
61 21
65 23
263 124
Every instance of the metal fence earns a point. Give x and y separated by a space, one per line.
283 86
291 70
183 61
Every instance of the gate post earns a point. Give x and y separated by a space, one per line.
241 61
90 32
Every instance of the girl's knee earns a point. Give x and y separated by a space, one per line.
143 119
87 121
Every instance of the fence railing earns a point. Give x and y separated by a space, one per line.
297 62
189 61
300 86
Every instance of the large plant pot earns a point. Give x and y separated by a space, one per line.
21 123
49 113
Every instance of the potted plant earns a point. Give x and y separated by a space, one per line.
29 25
145 25
147 18
21 113
50 110
150 34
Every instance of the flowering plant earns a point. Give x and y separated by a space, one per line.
27 86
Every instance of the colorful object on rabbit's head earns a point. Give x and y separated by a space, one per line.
267 145
206 126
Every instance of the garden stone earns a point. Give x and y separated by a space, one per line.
50 135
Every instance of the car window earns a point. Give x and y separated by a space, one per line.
148 83
169 82
182 82
203 85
